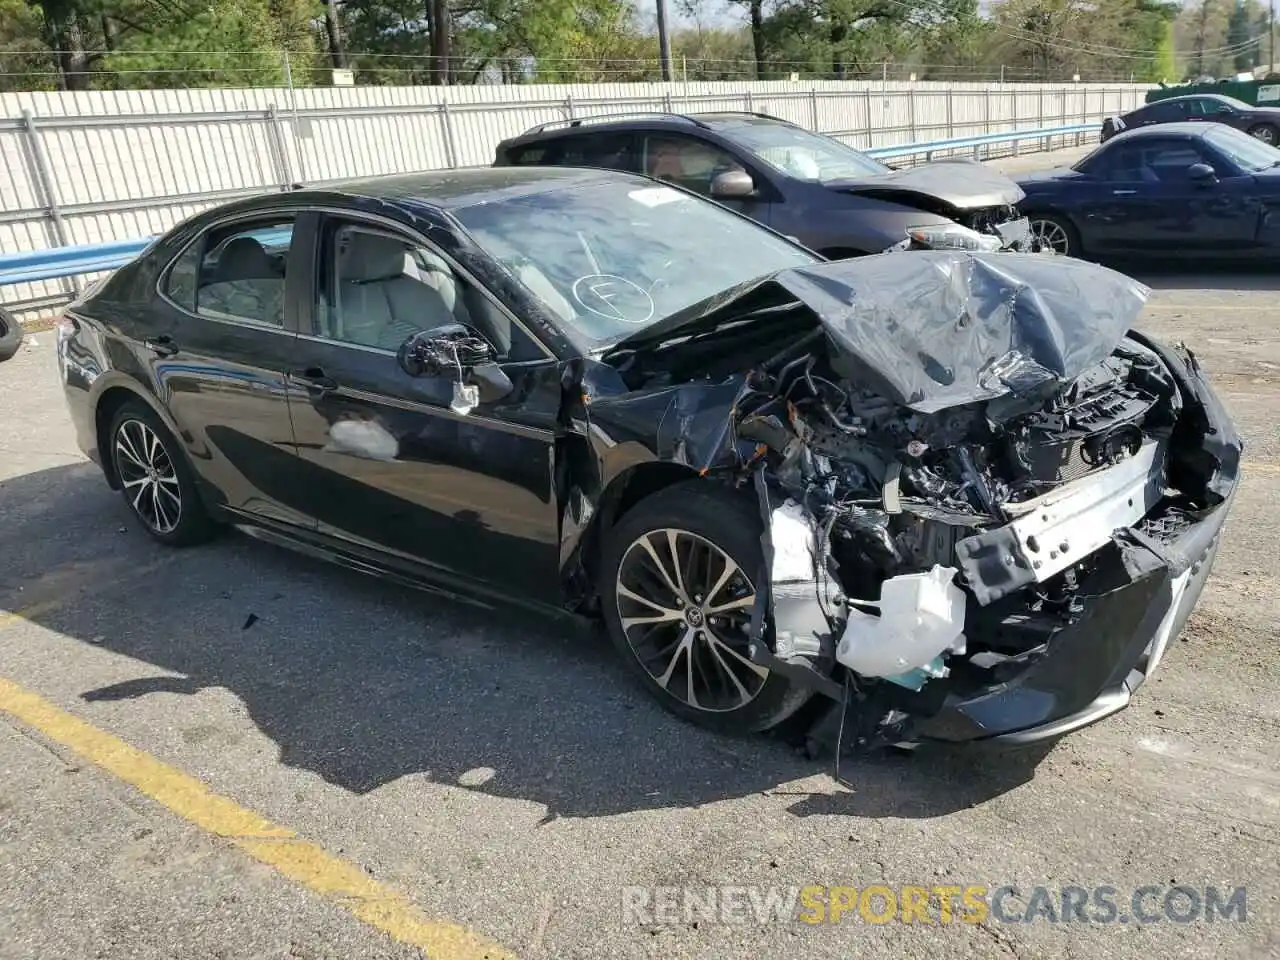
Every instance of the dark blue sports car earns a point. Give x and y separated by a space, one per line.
1174 190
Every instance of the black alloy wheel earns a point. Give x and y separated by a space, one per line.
156 481
678 601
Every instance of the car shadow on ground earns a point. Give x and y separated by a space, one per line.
1202 276
363 682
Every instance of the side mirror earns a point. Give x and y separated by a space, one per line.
733 183
460 355
1202 173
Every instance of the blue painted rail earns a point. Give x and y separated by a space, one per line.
57 262
978 142
54 262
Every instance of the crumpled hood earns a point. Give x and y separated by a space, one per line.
958 183
933 329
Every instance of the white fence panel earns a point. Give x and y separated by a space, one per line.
89 167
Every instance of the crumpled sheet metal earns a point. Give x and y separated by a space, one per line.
693 423
935 329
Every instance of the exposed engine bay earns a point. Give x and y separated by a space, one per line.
935 531
892 493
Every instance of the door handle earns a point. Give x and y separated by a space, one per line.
1123 193
314 379
161 346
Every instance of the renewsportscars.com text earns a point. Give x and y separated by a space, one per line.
937 904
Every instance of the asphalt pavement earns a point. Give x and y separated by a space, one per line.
236 752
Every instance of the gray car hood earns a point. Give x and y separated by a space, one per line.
937 329
962 184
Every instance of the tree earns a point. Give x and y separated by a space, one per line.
78 44
1060 38
1246 25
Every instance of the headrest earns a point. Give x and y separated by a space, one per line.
245 258
369 257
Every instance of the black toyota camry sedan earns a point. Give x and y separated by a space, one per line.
951 494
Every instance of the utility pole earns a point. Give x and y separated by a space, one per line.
664 40
1271 52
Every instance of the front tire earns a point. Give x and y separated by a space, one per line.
1056 235
155 478
677 592
1266 133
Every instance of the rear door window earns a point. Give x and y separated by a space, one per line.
1165 111
609 151
235 272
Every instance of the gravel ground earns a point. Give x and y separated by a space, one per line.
502 772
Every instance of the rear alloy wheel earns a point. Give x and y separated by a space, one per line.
1265 132
678 606
1054 235
156 482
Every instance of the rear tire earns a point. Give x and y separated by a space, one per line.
157 482
1266 133
681 627
1056 235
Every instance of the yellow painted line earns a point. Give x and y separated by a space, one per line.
302 861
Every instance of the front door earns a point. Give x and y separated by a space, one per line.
1151 205
388 465
220 362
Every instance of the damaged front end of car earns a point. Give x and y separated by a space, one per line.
988 504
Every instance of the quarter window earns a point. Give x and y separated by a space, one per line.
235 272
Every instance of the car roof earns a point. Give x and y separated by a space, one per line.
451 189
1190 96
712 120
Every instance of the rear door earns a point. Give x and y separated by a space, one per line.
387 464
220 366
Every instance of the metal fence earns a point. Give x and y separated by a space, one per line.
101 166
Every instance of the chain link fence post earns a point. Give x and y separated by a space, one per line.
293 110
279 155
446 130
45 182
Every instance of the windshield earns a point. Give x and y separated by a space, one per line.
611 258
801 154
1248 153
